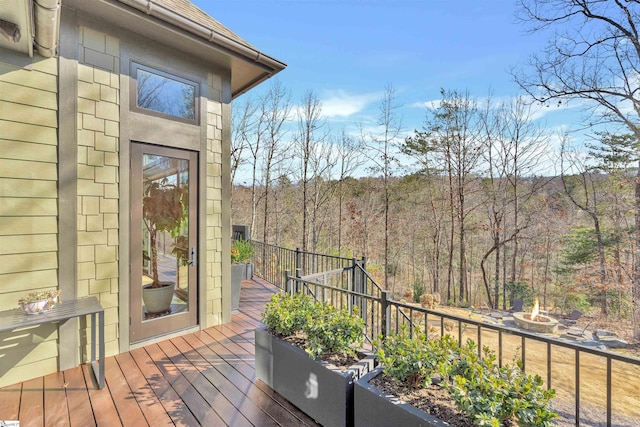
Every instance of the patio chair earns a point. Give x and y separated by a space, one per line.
516 306
572 319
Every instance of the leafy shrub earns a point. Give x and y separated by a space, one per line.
334 331
416 360
487 393
568 300
418 291
521 291
285 315
241 251
492 395
327 329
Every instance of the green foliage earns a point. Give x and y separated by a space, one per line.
522 291
418 290
241 251
286 315
615 152
490 395
416 360
326 328
333 331
582 247
620 302
568 300
583 244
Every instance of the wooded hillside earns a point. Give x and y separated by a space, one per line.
552 252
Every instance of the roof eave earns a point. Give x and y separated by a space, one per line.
260 66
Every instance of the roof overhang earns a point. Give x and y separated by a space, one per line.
38 21
25 24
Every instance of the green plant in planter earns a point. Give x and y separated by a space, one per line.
163 210
285 315
241 251
489 394
416 360
325 328
492 394
334 331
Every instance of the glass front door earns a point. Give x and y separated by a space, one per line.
164 249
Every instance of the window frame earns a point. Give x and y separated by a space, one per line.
133 94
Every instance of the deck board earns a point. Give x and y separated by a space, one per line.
204 378
56 411
149 403
32 403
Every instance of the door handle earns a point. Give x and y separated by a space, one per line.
193 260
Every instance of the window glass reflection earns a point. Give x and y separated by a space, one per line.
165 95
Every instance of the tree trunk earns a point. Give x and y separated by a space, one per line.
602 262
635 285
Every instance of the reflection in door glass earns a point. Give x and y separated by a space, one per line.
165 231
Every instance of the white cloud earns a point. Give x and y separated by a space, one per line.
340 103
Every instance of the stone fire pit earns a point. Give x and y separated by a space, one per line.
542 324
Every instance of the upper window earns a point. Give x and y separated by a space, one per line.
165 94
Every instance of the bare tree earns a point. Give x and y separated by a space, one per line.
514 148
313 152
453 137
380 145
349 157
594 56
583 191
275 111
243 130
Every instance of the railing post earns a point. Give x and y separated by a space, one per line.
298 259
298 275
287 282
385 314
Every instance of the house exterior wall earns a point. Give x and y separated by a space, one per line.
94 70
215 208
98 123
28 207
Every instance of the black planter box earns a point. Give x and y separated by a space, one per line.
319 389
372 408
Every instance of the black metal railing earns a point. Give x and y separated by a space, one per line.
612 378
270 262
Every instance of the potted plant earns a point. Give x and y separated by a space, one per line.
293 352
241 269
163 210
415 372
37 302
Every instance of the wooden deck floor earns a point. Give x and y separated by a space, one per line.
205 378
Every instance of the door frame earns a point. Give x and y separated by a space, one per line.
139 329
204 138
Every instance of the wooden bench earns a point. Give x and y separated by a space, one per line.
68 309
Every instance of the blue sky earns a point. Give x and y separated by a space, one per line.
348 51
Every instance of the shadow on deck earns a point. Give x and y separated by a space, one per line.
204 378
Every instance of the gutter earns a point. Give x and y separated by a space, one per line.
246 52
46 16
